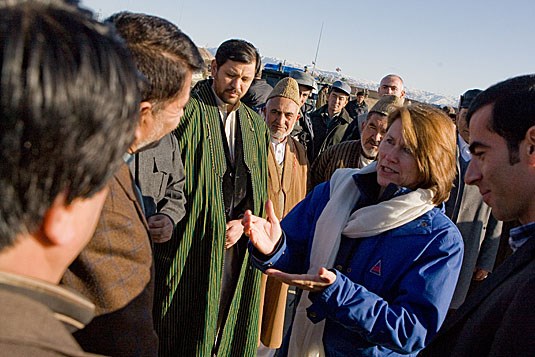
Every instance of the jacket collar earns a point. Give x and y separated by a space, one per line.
70 308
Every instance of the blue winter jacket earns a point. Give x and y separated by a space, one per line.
392 290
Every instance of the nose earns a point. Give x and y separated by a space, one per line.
235 83
473 174
389 154
378 137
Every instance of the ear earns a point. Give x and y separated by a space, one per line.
530 141
213 67
145 119
402 94
58 228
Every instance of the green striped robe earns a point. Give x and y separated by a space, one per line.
189 268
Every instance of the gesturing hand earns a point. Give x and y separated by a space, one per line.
264 235
309 282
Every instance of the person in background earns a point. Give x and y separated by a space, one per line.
323 94
68 111
372 247
391 84
330 122
465 207
116 269
357 106
287 170
208 296
498 318
303 127
258 92
355 153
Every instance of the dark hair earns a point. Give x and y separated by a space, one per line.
162 52
69 104
513 111
239 51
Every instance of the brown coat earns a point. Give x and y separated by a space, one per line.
37 318
286 188
115 272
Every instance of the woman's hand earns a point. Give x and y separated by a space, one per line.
314 283
264 235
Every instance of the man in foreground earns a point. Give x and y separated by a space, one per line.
58 149
116 269
208 295
498 318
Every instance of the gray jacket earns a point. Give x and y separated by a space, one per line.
159 173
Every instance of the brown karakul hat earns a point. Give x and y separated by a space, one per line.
386 104
286 88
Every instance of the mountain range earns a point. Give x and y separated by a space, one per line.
411 93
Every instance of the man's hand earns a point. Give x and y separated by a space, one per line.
314 283
233 233
264 235
160 228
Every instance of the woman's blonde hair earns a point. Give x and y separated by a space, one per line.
430 136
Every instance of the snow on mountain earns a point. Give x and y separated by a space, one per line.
329 76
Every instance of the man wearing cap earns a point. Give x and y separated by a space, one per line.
465 207
287 170
303 127
355 153
357 106
330 122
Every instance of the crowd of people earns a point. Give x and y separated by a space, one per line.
144 215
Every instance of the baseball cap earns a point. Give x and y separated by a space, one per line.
344 87
303 79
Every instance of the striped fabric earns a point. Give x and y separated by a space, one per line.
189 268
343 155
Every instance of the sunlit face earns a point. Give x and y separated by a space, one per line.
507 188
391 85
304 93
373 131
160 121
396 164
462 126
280 115
232 80
337 101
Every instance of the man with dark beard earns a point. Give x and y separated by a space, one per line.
208 296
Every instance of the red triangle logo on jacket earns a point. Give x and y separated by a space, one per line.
376 269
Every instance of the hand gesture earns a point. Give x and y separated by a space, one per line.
315 283
264 235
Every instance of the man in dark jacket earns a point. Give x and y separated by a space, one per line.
498 319
303 127
465 207
63 134
330 122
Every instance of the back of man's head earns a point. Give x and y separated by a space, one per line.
68 108
162 52
513 111
238 51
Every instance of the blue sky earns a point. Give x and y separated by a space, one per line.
444 47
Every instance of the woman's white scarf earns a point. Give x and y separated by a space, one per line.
335 220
